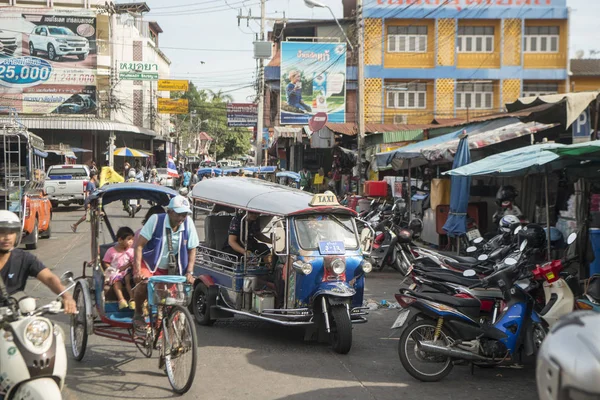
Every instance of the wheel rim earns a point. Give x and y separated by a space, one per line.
31 48
78 327
201 305
538 337
178 351
51 52
426 364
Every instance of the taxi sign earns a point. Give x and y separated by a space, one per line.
324 199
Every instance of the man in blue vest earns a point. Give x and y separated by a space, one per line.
152 250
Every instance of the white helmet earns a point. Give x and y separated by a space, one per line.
507 221
131 172
11 222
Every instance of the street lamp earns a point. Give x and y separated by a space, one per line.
318 4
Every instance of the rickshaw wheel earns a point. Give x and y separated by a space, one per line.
78 331
200 305
180 345
146 347
341 330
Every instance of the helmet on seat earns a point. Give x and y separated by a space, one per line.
535 235
505 224
131 173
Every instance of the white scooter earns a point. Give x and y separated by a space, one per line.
32 348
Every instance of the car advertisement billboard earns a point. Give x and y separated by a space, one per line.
313 80
242 114
48 61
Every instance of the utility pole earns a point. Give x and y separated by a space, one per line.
361 92
261 90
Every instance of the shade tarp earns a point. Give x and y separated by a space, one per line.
456 224
522 161
579 150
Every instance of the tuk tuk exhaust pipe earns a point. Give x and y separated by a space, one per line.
325 314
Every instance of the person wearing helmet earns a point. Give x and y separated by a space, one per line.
17 265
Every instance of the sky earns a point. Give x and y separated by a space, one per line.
205 44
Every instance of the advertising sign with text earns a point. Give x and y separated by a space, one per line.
175 85
242 114
173 106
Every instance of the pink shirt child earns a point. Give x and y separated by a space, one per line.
117 260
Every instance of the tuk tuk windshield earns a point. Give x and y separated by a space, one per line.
312 229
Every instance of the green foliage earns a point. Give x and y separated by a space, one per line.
211 117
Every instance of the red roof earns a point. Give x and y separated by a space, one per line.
205 136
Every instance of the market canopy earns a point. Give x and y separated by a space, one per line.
522 161
580 151
444 147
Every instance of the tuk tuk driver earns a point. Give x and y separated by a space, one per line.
151 254
234 244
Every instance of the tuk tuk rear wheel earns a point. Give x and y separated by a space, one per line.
35 235
341 329
200 305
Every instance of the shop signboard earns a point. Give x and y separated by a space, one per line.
242 114
173 106
138 71
175 85
313 80
48 61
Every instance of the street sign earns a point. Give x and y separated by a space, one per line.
138 71
176 85
242 114
582 128
172 106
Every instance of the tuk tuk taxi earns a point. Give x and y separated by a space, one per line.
313 276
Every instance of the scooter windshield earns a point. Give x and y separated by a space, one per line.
322 228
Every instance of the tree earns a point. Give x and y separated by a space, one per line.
220 97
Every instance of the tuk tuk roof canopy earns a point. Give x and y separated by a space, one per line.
260 196
161 195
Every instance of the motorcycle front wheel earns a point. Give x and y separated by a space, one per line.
426 367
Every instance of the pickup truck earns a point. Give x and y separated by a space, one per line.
57 42
65 184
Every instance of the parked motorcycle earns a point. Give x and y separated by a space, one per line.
438 329
590 299
32 348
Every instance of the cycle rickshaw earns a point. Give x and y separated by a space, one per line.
170 328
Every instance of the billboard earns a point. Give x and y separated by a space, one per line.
313 80
175 85
172 106
242 114
48 61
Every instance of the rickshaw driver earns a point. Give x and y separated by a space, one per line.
234 246
151 256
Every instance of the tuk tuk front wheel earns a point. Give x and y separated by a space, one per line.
200 305
341 329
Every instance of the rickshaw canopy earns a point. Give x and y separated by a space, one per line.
262 197
160 195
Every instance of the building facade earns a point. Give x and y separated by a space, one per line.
435 59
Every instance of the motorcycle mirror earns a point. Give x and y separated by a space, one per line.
523 245
478 240
471 249
483 257
510 261
518 229
66 278
469 273
571 238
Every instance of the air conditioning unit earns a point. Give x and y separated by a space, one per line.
401 119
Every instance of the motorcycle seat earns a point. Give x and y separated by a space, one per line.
457 302
451 277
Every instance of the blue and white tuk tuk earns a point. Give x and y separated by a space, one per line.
313 276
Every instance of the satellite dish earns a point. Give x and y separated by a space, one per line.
579 54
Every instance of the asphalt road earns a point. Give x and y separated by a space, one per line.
245 359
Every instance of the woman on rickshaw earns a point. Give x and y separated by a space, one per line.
166 246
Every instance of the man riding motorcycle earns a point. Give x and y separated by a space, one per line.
16 265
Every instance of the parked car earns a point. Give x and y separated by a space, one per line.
208 164
165 179
57 42
65 184
8 44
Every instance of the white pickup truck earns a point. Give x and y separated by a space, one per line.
65 184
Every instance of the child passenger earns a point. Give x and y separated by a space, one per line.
117 267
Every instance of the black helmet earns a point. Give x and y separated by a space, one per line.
416 227
535 235
506 193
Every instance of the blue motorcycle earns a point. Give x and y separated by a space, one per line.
439 330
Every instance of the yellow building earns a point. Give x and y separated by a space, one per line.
585 75
432 59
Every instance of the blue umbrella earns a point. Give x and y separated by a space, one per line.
456 224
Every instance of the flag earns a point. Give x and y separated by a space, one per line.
171 168
109 175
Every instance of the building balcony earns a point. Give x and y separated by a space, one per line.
409 60
545 60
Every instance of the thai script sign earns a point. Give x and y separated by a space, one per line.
138 71
242 114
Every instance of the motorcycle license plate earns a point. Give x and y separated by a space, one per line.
401 319
473 234
133 202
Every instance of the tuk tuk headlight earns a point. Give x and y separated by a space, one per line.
302 267
37 331
367 267
338 266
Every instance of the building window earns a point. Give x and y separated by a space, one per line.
409 95
541 39
475 39
407 39
478 96
539 89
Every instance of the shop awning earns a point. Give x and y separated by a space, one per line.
443 148
288 133
79 124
